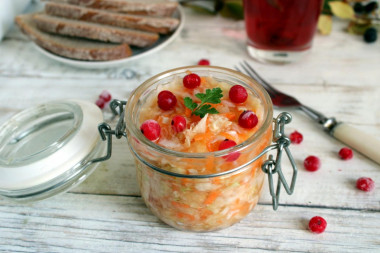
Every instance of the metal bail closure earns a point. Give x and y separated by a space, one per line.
106 132
272 166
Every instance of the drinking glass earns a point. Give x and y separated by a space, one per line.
280 30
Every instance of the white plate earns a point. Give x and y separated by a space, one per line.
138 53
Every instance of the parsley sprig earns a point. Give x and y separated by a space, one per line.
210 97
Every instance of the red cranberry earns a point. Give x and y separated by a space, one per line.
105 95
248 119
204 62
229 144
100 103
365 184
166 100
238 94
312 163
317 224
191 81
151 129
346 153
178 123
296 137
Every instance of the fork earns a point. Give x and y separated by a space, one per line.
356 139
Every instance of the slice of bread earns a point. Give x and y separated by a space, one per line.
107 33
70 47
159 8
162 25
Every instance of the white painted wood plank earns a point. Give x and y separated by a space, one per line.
333 185
82 223
357 105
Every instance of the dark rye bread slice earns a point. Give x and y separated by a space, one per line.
162 25
159 8
81 29
70 47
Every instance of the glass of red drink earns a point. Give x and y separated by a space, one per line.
280 30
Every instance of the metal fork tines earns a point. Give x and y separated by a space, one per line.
281 99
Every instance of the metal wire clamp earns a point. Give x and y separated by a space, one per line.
273 166
105 131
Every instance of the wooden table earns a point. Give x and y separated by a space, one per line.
106 213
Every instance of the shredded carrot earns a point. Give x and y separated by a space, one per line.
225 166
180 205
209 146
185 181
216 180
175 187
210 163
212 196
187 112
204 81
207 125
229 115
195 118
187 216
165 132
159 119
213 146
199 137
204 213
244 207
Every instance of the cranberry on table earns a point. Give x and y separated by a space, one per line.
346 153
166 100
105 95
238 94
191 81
312 163
317 224
248 119
365 184
204 62
296 137
151 129
229 144
100 103
178 123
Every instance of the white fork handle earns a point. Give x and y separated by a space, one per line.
358 140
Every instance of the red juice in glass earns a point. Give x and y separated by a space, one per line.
279 30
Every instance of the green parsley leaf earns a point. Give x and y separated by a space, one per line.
189 103
211 97
204 109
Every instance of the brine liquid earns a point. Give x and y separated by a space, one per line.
286 25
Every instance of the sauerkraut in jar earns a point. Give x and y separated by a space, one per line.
192 131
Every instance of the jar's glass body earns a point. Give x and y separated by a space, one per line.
199 202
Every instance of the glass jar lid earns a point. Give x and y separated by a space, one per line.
46 149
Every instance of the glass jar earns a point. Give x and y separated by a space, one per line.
199 202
